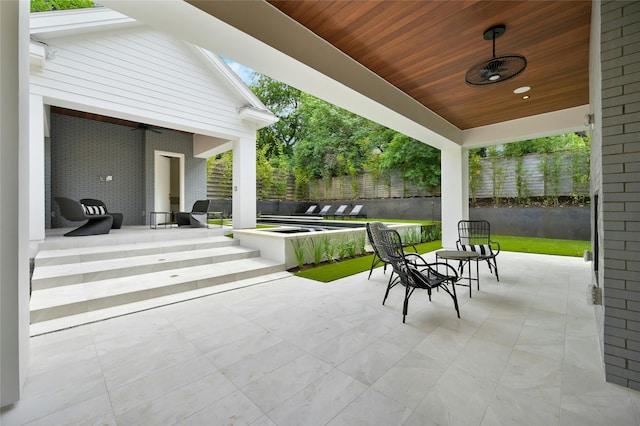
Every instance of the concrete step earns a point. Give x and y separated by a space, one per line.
45 277
62 256
81 298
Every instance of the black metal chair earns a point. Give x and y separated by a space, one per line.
475 235
413 272
375 239
92 202
97 223
197 217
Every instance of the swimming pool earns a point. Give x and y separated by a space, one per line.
293 224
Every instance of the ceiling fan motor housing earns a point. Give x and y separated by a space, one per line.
497 68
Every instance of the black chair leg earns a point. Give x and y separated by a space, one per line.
405 308
373 263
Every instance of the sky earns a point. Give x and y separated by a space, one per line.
246 74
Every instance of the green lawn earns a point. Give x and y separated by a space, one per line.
334 271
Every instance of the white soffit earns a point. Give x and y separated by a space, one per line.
537 126
207 146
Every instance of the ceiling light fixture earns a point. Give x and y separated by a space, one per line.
497 68
523 89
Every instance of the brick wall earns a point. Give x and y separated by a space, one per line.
620 62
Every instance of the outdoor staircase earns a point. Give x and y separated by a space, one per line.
86 279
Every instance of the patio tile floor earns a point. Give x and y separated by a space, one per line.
297 352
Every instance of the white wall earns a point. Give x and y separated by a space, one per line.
14 193
141 75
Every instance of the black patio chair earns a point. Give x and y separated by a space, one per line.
197 217
413 272
311 209
375 240
356 211
339 211
475 235
97 221
325 210
102 207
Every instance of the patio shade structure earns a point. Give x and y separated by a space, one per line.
320 47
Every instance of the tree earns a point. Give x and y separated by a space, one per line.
418 162
283 101
331 141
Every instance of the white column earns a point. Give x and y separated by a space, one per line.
36 169
464 189
244 183
14 192
454 193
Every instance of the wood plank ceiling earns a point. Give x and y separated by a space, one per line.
425 48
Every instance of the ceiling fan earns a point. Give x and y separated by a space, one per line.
497 68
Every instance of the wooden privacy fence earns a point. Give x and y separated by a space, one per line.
283 187
497 178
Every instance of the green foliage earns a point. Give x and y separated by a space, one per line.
522 181
264 173
47 5
225 163
411 235
351 247
299 250
341 248
360 241
317 249
330 144
580 167
555 247
497 174
550 167
329 246
283 101
475 173
345 268
418 162
431 232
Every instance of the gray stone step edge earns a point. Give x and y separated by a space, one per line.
96 253
63 275
192 279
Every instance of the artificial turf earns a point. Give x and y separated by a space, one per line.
344 268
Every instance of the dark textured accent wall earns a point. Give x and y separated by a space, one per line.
620 62
567 223
83 152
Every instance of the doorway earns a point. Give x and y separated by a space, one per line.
168 182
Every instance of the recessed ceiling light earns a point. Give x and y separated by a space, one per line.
522 89
525 97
